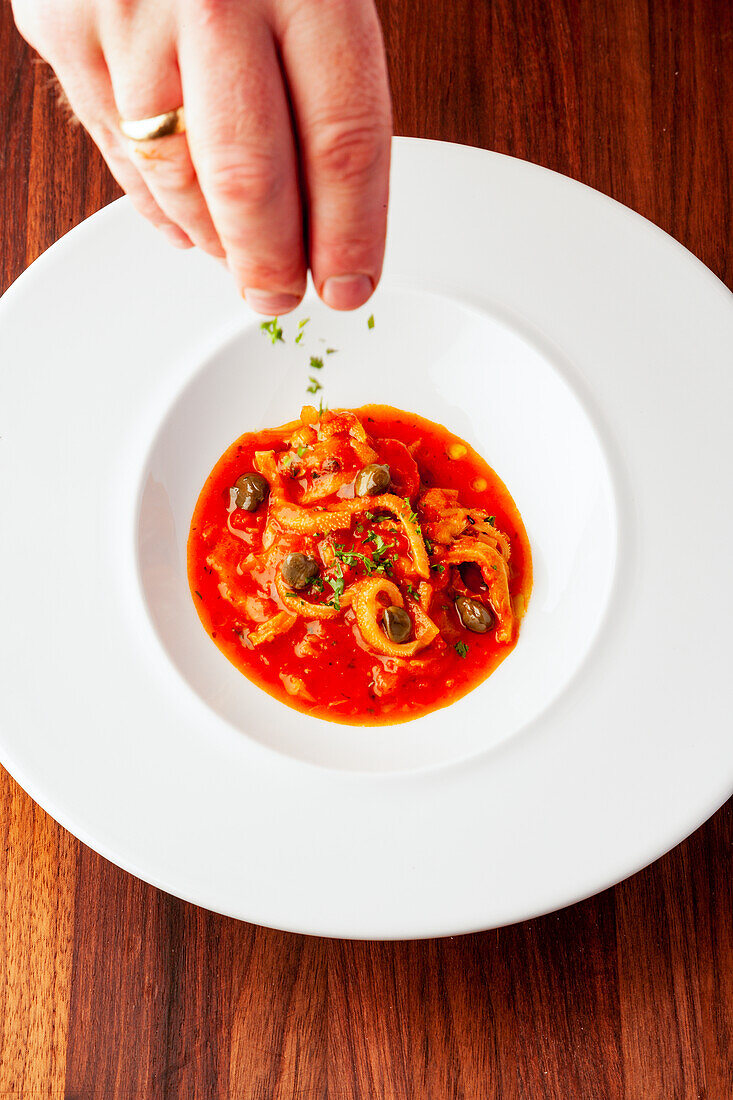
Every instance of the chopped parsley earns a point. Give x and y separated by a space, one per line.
461 649
316 584
299 337
301 450
379 562
273 330
379 544
331 351
412 516
428 545
321 407
439 568
337 585
411 591
370 322
316 362
304 322
490 521
315 385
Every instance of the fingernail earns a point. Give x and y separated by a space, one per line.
270 304
346 291
175 236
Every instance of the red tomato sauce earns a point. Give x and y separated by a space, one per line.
456 506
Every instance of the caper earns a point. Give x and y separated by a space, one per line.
372 480
298 569
251 491
397 624
474 615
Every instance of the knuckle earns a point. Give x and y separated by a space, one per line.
52 28
267 273
211 12
35 21
350 153
251 184
173 172
146 206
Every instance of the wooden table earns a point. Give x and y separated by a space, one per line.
111 989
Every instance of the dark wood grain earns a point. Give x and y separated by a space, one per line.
111 989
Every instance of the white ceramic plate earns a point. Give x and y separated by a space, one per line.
584 353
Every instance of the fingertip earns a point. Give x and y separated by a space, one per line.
269 304
175 236
347 291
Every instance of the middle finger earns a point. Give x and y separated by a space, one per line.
242 145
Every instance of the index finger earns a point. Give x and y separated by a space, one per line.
336 70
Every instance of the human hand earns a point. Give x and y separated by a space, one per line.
285 160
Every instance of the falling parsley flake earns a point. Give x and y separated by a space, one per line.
304 322
299 337
316 363
331 351
370 322
315 385
273 330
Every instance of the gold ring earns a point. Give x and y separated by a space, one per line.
159 126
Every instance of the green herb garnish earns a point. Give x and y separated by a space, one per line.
301 450
337 585
304 322
379 562
316 363
315 385
412 516
273 330
490 520
331 351
370 322
439 568
461 649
